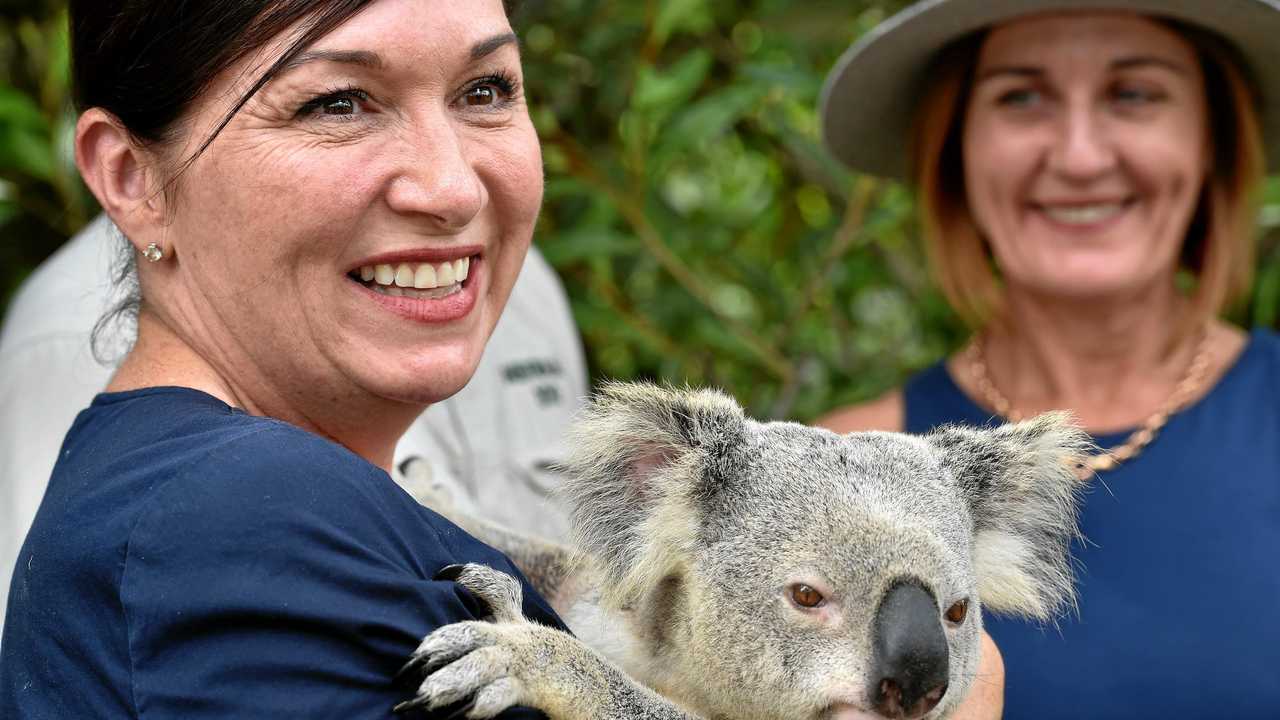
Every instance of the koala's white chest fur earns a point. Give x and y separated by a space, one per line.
608 634
616 636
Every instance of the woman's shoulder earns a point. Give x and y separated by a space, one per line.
1254 372
929 397
206 435
883 413
1267 344
174 452
255 469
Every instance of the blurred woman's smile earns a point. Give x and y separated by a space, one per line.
1087 215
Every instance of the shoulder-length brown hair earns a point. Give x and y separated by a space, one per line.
1219 245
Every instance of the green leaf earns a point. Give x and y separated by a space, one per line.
26 152
693 16
714 114
1266 304
19 110
579 244
8 211
662 91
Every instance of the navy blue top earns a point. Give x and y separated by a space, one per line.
1179 579
193 561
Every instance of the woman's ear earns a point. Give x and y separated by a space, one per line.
121 174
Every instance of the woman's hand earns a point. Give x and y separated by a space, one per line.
986 697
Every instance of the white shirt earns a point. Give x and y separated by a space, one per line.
489 445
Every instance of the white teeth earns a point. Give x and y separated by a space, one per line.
421 276
425 278
1083 214
444 274
428 294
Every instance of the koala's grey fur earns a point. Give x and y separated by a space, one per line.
691 522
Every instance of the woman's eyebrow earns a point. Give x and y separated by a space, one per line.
363 58
1143 60
484 48
1124 63
1018 70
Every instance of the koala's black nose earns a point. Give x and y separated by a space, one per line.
910 669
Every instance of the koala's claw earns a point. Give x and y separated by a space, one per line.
462 663
439 649
500 592
450 573
468 672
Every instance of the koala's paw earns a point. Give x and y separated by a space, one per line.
496 589
469 664
469 669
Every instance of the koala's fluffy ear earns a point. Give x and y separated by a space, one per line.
1023 491
642 456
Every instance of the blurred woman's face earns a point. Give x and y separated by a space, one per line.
357 227
1086 147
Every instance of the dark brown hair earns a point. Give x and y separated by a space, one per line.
146 61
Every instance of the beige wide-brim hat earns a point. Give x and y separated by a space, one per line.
869 101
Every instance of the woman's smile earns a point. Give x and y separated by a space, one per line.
1083 222
427 287
1083 215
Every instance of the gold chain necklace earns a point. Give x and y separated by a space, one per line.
1191 382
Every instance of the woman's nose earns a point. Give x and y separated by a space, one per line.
1083 149
437 180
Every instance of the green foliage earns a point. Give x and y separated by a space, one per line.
42 201
704 235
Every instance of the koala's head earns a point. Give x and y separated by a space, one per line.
782 571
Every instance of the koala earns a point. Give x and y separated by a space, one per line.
728 568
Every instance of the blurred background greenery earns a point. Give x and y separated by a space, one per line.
702 233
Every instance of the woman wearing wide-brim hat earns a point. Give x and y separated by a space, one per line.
1087 174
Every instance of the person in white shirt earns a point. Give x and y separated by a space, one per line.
504 427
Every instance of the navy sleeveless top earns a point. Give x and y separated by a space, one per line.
1178 575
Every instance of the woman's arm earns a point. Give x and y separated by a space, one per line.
986 696
285 579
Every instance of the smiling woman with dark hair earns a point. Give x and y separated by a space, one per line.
331 200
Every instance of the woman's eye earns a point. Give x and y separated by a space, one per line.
1135 95
806 597
339 104
489 92
481 96
1024 97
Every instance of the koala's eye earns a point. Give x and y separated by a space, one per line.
956 613
806 597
